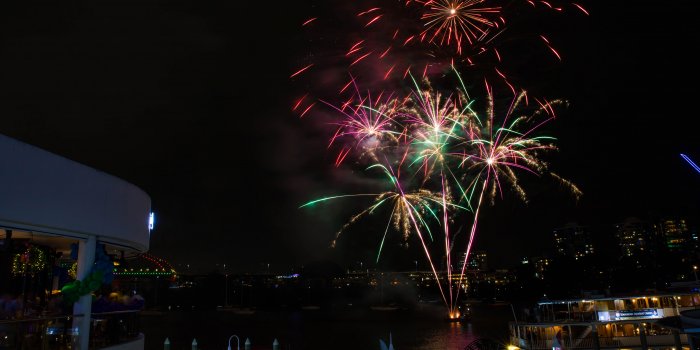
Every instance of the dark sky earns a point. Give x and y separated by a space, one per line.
189 100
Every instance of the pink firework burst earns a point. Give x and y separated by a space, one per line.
458 22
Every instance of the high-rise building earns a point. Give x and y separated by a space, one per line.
674 233
634 237
573 240
541 265
477 261
694 239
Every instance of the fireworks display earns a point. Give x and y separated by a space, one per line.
381 42
443 152
458 23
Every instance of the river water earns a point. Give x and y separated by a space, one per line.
422 328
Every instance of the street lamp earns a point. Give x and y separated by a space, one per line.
238 342
416 265
695 272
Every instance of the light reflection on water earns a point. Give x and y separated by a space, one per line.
453 336
423 329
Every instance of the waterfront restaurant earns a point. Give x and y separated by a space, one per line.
48 204
597 323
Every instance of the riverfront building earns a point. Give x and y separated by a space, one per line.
630 322
53 205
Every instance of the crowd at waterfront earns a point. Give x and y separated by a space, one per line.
15 307
19 306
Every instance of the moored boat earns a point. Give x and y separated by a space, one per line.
604 322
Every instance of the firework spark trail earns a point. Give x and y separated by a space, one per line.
404 203
301 71
451 22
447 240
422 241
390 39
487 150
581 8
405 215
505 150
447 150
307 110
427 30
430 260
472 234
369 123
546 42
495 149
308 21
394 33
298 103
435 121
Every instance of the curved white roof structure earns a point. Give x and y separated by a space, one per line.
48 195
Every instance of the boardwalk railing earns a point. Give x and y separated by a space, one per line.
57 332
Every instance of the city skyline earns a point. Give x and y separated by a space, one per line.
198 115
629 238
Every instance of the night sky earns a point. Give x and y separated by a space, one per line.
190 101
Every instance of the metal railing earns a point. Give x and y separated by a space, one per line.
37 333
605 342
57 332
111 328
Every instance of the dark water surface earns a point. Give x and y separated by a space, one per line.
418 329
